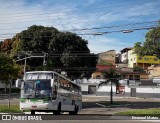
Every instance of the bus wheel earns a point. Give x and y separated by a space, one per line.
58 112
32 112
75 111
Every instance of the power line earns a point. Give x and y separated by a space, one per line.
6 34
124 30
101 33
104 27
97 28
94 27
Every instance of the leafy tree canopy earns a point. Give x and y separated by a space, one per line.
151 46
138 69
66 50
8 70
110 76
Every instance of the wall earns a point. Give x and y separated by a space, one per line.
148 59
141 91
124 57
144 76
97 73
108 56
2 85
132 58
144 92
154 71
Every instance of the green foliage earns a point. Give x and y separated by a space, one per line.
151 46
110 76
138 69
66 50
8 70
13 109
6 46
142 112
1 46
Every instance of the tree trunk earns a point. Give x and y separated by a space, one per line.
5 89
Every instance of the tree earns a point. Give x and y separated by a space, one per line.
151 46
111 77
66 50
6 46
0 46
138 69
8 70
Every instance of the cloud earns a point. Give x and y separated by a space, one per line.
99 44
17 15
130 12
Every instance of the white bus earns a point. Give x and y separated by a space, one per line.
48 91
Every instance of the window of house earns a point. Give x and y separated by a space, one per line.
155 59
98 77
146 59
130 77
137 77
139 58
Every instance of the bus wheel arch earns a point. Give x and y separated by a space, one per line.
76 108
32 112
58 111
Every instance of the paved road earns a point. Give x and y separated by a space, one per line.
78 121
95 104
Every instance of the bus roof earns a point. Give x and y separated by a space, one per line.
41 72
53 72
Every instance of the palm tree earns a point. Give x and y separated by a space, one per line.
111 77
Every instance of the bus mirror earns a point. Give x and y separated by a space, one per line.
52 82
18 83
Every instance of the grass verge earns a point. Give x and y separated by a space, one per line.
141 112
13 109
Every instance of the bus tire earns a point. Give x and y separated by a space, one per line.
58 112
75 111
32 112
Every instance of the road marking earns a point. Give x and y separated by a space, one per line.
156 121
101 105
85 99
43 113
112 105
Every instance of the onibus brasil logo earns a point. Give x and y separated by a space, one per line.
20 117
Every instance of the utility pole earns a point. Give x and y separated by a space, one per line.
25 63
28 55
45 59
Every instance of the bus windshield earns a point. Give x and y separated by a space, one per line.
36 89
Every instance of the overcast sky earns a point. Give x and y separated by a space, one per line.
68 15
